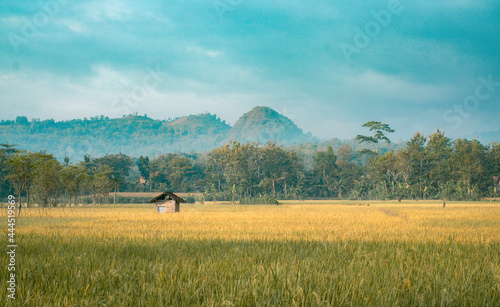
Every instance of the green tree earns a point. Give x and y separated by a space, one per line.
21 167
120 165
417 159
240 166
22 120
493 159
380 132
143 164
100 184
392 172
73 180
216 163
468 160
493 166
439 153
345 155
47 183
326 167
178 169
277 165
6 150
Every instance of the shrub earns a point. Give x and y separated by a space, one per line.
262 200
190 199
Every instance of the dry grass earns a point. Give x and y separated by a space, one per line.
298 253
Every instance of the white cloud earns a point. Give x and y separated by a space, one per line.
203 51
73 25
106 77
374 85
114 10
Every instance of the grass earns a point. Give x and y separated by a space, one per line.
309 253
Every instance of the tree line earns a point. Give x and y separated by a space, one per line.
428 167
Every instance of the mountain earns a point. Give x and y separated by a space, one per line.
133 135
262 124
199 125
136 135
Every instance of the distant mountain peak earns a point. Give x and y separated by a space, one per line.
262 124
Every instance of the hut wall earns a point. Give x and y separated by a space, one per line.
171 206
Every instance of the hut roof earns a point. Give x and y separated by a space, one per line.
164 195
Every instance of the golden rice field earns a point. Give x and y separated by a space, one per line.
294 254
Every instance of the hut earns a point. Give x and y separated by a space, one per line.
167 202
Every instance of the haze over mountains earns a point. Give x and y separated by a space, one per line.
136 135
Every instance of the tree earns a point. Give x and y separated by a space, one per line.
392 169
417 160
468 162
73 180
345 155
439 152
239 164
6 150
216 163
178 168
119 164
273 159
21 168
326 167
493 166
100 184
277 165
22 120
380 132
143 164
47 183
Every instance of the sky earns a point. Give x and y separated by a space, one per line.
330 66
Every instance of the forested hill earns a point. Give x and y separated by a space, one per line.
133 135
262 124
136 135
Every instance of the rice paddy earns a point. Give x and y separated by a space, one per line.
294 254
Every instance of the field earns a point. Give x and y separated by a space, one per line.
294 254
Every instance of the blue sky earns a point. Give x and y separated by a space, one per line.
416 66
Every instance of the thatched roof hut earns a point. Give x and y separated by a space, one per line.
167 202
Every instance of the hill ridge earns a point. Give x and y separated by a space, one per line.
137 135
